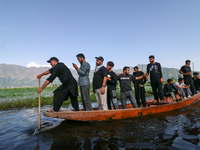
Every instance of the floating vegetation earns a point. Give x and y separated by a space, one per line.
28 97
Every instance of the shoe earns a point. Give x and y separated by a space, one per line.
185 97
189 96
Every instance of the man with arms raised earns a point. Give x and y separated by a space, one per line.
186 71
68 87
99 83
126 90
154 68
111 83
84 81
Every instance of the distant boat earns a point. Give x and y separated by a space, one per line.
130 112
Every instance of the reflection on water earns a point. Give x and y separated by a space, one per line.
178 129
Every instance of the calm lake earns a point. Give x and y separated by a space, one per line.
173 130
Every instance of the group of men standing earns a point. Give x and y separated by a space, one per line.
104 83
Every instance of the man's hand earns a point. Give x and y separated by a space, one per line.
108 78
118 74
161 80
187 86
39 76
75 66
40 90
140 85
102 90
178 92
146 74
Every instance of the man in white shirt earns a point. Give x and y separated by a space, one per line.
183 88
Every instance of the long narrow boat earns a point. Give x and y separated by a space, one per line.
105 115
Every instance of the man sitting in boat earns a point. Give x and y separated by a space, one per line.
68 87
126 90
168 89
183 88
196 81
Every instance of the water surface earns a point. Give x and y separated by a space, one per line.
179 129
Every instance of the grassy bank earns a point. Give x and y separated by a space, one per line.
28 97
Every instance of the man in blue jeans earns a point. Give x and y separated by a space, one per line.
84 81
126 90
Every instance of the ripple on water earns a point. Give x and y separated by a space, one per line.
178 129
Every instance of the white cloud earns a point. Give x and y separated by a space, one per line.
33 64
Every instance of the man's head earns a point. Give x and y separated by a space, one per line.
187 62
99 60
110 65
170 81
151 58
181 80
136 69
126 70
53 61
196 74
80 57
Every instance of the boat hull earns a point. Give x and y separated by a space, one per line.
105 115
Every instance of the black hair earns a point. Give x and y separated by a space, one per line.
180 79
187 61
110 63
126 67
80 55
136 67
169 80
195 73
151 56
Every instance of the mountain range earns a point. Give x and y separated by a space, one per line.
19 76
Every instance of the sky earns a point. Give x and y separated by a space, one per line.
126 32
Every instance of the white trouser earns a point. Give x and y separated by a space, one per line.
101 99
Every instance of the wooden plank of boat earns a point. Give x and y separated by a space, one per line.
105 115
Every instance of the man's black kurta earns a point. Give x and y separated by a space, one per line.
68 87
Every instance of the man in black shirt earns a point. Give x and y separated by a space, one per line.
139 87
196 81
154 68
126 90
68 87
99 83
168 89
186 71
111 83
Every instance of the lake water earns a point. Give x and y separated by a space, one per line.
179 129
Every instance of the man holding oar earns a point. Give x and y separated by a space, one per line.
68 87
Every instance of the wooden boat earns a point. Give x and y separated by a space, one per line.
106 115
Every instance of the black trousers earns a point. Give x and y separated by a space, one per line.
112 96
61 94
157 89
140 94
190 83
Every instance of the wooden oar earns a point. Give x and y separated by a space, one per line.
39 117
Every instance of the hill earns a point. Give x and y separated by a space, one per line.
19 76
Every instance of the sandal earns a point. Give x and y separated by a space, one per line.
50 111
